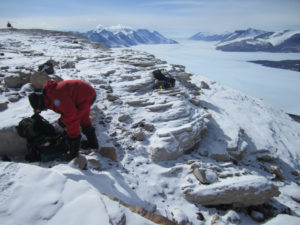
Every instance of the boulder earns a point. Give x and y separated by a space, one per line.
109 152
80 161
242 191
111 97
170 143
16 80
68 65
139 135
205 176
204 85
11 143
124 117
3 106
38 79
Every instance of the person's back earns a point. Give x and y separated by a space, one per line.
72 99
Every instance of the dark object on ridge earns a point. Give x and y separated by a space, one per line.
162 80
47 67
43 142
9 25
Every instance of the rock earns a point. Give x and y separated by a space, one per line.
95 163
204 85
275 170
11 143
195 101
143 63
38 79
3 106
220 157
233 217
123 118
16 80
200 216
214 219
159 107
68 65
112 98
257 216
14 97
139 85
80 161
266 158
109 152
108 73
139 135
147 127
171 142
241 191
295 173
141 102
201 175
96 81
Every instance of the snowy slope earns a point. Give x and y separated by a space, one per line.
243 140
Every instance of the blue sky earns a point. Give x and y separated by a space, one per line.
169 17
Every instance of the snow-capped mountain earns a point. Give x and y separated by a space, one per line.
197 153
122 36
252 40
228 36
204 36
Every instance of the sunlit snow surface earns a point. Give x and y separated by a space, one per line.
277 87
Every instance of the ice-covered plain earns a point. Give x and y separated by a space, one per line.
277 87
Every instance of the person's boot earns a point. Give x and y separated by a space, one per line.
92 141
74 145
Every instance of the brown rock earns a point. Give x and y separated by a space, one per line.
112 98
80 161
200 175
139 135
109 152
275 170
3 106
123 118
204 85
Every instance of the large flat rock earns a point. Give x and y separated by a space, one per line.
238 191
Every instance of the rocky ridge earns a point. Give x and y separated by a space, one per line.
174 137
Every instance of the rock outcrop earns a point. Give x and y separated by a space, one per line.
239 192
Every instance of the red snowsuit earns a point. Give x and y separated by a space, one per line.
72 99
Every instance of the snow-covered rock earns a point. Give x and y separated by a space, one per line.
239 192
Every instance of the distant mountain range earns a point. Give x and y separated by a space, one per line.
121 36
252 40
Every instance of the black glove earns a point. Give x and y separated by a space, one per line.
74 144
61 124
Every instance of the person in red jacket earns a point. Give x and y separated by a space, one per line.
73 100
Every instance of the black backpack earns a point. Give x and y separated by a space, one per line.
163 81
43 142
47 67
